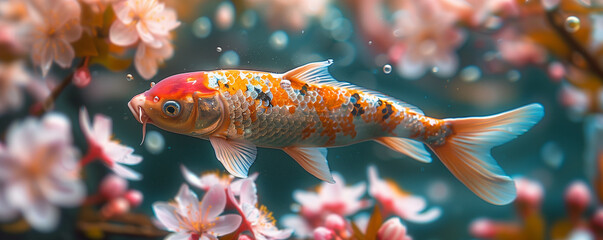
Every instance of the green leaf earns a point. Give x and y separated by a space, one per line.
374 224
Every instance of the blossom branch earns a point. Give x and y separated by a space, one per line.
592 63
49 101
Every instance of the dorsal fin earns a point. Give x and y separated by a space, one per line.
317 73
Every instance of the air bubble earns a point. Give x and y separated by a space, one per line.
202 27
572 24
278 40
129 77
387 69
154 142
218 49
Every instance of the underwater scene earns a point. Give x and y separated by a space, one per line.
301 119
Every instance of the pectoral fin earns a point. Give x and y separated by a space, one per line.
313 160
236 157
408 147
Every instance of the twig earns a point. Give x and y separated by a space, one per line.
49 101
592 63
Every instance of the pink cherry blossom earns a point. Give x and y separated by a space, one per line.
323 233
147 20
291 14
260 219
476 12
209 179
190 219
148 59
332 198
393 200
12 77
393 229
56 25
428 38
38 171
110 152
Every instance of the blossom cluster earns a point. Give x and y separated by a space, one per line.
322 214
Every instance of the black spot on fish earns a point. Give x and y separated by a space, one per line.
226 85
387 111
358 110
263 97
304 90
379 102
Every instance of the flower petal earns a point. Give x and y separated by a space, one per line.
226 224
179 236
146 36
123 35
123 11
72 31
248 193
166 214
63 53
145 62
42 216
188 203
301 228
7 211
213 202
102 127
125 172
191 178
85 123
63 192
121 154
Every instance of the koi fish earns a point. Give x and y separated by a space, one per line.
305 111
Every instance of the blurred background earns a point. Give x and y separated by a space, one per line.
451 58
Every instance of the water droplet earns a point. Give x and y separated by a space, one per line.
129 77
370 43
156 99
552 154
229 59
202 27
152 84
278 40
387 69
470 74
572 24
513 75
224 15
218 49
154 143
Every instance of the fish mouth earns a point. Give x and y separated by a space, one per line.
140 114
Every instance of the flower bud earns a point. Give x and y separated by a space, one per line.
482 228
115 207
577 198
82 77
134 197
392 229
335 222
323 233
529 193
113 186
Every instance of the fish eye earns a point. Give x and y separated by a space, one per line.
171 108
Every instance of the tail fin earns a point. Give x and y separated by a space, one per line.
466 153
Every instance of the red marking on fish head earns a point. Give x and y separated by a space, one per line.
171 103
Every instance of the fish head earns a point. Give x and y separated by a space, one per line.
182 104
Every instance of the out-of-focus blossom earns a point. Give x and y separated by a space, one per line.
529 193
476 12
110 152
519 50
11 47
209 179
13 10
148 59
301 228
335 222
190 219
38 171
332 198
395 201
291 14
556 71
261 220
12 77
148 21
323 233
575 99
393 229
577 198
56 25
428 38
114 190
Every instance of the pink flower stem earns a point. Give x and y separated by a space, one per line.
231 203
49 101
